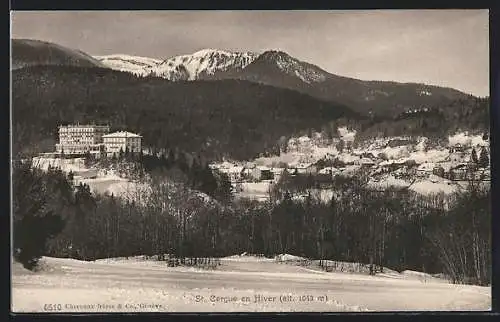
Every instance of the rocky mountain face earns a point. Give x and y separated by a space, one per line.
202 64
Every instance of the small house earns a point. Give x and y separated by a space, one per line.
438 171
247 171
457 148
460 172
425 168
260 173
305 168
365 162
234 173
328 170
256 173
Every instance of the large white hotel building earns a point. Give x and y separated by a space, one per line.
81 139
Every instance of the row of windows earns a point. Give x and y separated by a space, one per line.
120 146
82 131
79 136
123 140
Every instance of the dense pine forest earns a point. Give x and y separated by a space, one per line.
239 118
215 119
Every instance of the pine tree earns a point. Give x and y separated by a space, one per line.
208 182
224 189
194 174
171 158
484 160
36 198
474 156
182 163
340 146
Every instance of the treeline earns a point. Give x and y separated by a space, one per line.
466 114
233 118
392 228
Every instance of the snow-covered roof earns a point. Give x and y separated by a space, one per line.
263 168
428 166
225 165
327 170
461 166
389 162
234 169
249 165
302 165
366 161
122 134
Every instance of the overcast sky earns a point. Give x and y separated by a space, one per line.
440 47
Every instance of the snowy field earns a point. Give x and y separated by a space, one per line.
103 182
239 284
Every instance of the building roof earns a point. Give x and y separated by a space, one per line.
122 134
366 161
83 125
302 165
326 169
427 166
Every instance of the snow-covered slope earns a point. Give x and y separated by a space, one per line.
291 66
203 62
210 62
132 64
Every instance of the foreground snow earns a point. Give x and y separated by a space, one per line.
241 283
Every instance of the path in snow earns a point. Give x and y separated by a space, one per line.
151 286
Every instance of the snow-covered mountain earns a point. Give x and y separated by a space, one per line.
202 63
213 63
133 64
279 69
292 67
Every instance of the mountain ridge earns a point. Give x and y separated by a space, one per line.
29 52
277 68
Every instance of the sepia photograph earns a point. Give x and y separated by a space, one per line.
250 161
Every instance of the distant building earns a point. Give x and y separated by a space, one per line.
425 168
81 139
363 161
457 148
260 173
305 168
122 141
328 170
234 173
438 171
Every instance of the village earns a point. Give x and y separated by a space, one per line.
389 161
